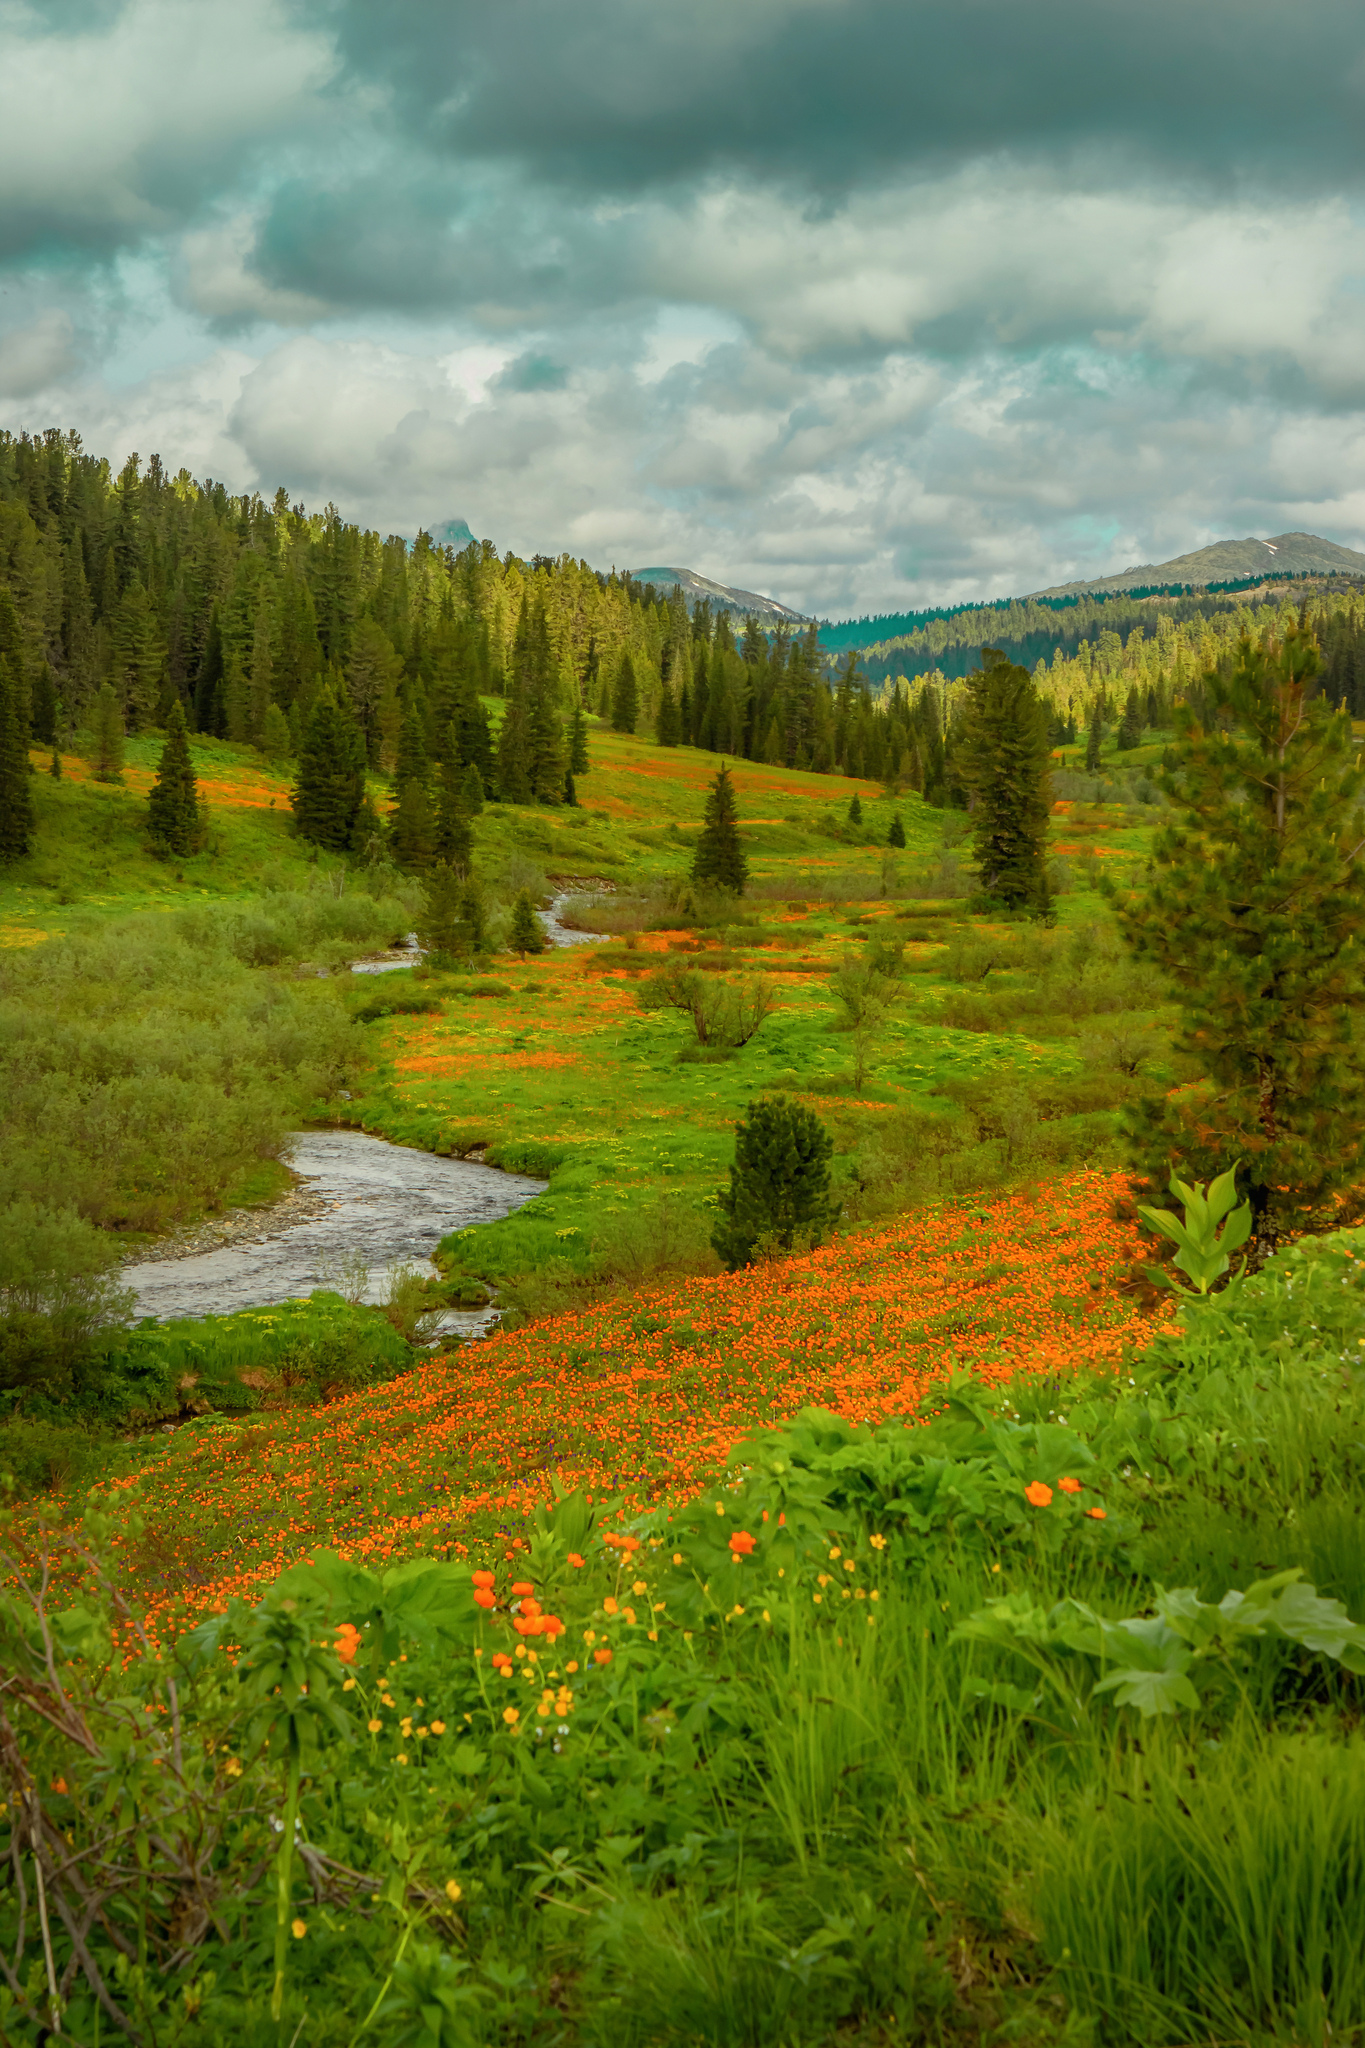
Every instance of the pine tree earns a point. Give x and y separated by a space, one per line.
855 810
1130 730
527 934
1094 738
625 696
779 1184
173 800
454 843
16 795
1255 911
208 688
1005 758
106 755
472 789
667 724
329 790
412 763
514 770
55 767
570 792
719 861
276 743
896 835
578 743
451 924
260 695
412 828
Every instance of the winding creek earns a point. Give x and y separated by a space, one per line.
362 1203
366 1201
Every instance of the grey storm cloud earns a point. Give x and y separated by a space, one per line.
828 92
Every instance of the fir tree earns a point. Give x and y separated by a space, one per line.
451 924
173 800
779 1188
412 763
412 828
570 792
276 742
1094 738
1255 911
514 768
625 696
667 724
454 842
527 934
330 787
260 695
1130 730
208 689
106 754
472 789
55 766
578 743
855 810
1005 760
719 861
896 835
16 795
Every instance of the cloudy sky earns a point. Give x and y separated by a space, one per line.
865 303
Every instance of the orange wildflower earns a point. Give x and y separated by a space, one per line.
1037 1493
1069 1485
742 1542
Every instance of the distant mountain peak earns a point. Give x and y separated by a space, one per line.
1224 561
722 596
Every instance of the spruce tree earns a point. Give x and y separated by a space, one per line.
578 743
779 1184
719 861
412 828
528 933
329 790
1254 909
1004 757
454 841
625 696
451 924
514 765
1094 739
1130 730
55 766
896 835
855 810
275 741
667 724
173 800
106 755
16 795
570 792
209 712
472 789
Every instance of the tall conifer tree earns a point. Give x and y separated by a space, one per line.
625 696
16 795
1254 909
329 791
1004 756
173 800
719 861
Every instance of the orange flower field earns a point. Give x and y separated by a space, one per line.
642 1395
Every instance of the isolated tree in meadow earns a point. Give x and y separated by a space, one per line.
1004 760
855 809
173 800
1254 909
106 724
719 861
329 790
896 835
625 696
528 933
779 1191
16 796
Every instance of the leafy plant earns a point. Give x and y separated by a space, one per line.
1212 1230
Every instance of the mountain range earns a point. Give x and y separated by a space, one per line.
724 597
1285 554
